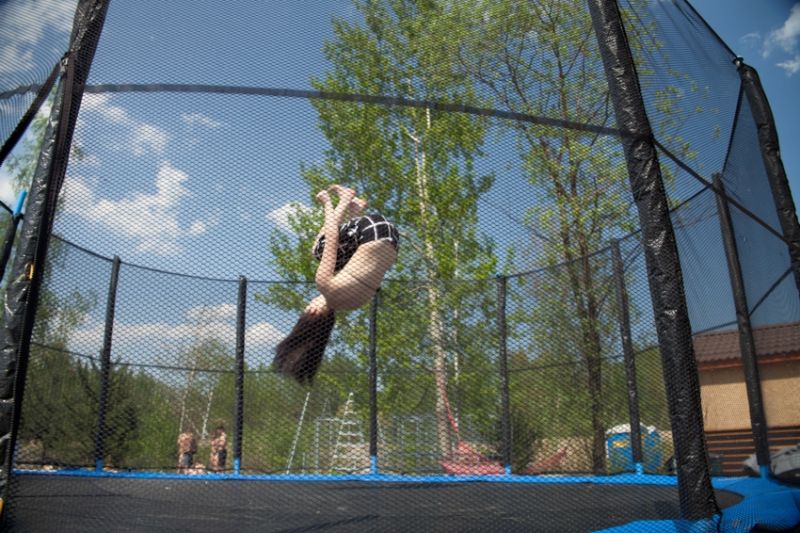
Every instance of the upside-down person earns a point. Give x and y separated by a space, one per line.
353 258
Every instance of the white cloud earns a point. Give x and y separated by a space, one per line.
151 220
263 334
90 160
142 341
148 138
99 103
24 26
280 216
786 38
791 66
198 227
142 139
13 60
7 194
212 313
200 119
751 40
78 196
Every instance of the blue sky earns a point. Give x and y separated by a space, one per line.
165 185
767 35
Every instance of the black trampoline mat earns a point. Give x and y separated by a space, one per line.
86 505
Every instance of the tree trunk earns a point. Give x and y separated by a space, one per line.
594 375
581 284
439 372
435 326
204 431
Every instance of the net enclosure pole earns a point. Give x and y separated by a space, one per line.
773 164
696 495
8 242
373 383
105 366
241 308
505 402
747 345
11 233
628 355
22 293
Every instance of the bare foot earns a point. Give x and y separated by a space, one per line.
317 306
357 206
345 194
323 197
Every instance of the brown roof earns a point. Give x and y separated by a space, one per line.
771 341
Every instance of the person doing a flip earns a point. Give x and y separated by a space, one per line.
354 251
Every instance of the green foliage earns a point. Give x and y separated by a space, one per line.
56 414
417 167
204 360
153 445
437 326
539 59
61 411
523 439
22 164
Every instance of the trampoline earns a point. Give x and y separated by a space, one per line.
227 505
590 319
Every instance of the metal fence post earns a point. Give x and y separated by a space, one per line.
629 356
747 345
373 384
241 307
505 403
105 366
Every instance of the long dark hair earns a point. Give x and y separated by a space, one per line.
300 354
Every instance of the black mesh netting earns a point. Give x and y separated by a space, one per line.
490 317
33 38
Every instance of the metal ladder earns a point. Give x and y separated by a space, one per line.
349 452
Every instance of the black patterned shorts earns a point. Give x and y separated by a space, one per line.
358 231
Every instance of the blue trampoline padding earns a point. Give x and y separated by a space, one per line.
767 503
668 526
620 479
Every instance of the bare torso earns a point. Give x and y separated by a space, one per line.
356 283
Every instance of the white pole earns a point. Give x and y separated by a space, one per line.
297 433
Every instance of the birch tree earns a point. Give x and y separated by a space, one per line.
415 165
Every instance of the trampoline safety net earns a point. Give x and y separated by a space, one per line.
388 265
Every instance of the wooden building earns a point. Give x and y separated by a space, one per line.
726 410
